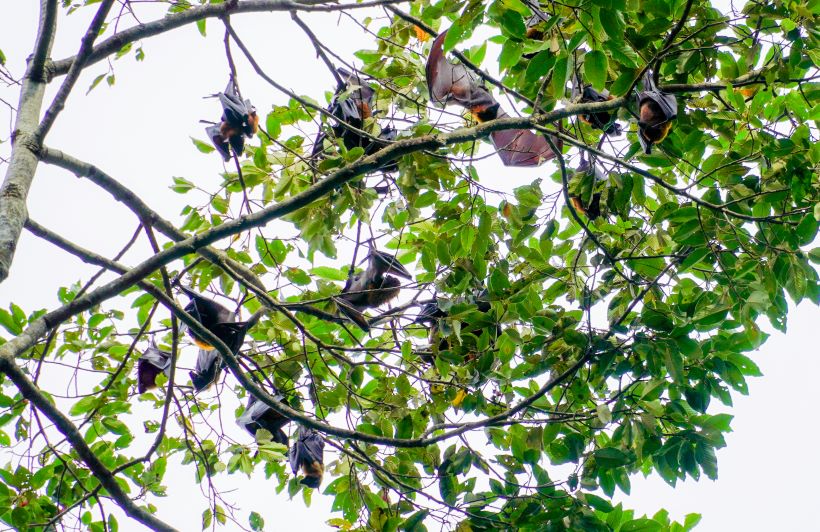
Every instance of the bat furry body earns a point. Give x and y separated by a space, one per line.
239 120
151 363
372 287
307 454
657 109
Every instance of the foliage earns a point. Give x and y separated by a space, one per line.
615 337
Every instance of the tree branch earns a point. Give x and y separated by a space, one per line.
142 31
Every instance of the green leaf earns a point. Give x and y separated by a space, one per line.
595 69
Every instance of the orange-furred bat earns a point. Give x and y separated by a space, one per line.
372 287
603 120
239 120
307 454
353 110
453 83
258 415
151 363
657 109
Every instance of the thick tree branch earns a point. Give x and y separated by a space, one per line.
74 72
23 161
142 31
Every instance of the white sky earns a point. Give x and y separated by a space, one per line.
768 472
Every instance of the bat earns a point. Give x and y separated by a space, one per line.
151 363
602 120
307 454
592 209
208 366
449 82
372 287
353 111
221 323
217 319
239 120
258 415
657 109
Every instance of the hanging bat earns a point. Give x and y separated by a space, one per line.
307 454
239 120
602 120
151 363
258 415
450 82
592 209
217 319
208 367
657 109
372 287
353 111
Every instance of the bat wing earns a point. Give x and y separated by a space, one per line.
150 364
522 147
352 313
308 448
232 334
429 313
449 81
207 369
383 263
159 359
667 102
219 143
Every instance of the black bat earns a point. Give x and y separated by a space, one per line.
591 208
602 120
239 120
151 363
354 110
307 454
214 317
258 415
451 82
372 287
208 366
657 109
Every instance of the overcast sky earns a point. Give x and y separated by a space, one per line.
138 131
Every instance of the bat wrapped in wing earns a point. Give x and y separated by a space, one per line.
239 120
589 202
258 415
307 454
373 287
604 120
657 110
151 363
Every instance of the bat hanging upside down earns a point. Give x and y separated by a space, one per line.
258 415
450 82
657 110
602 120
239 120
371 288
591 208
151 363
222 323
307 454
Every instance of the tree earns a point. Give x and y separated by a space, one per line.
573 330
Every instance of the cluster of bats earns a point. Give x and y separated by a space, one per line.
306 453
353 111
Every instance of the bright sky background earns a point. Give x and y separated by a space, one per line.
138 131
